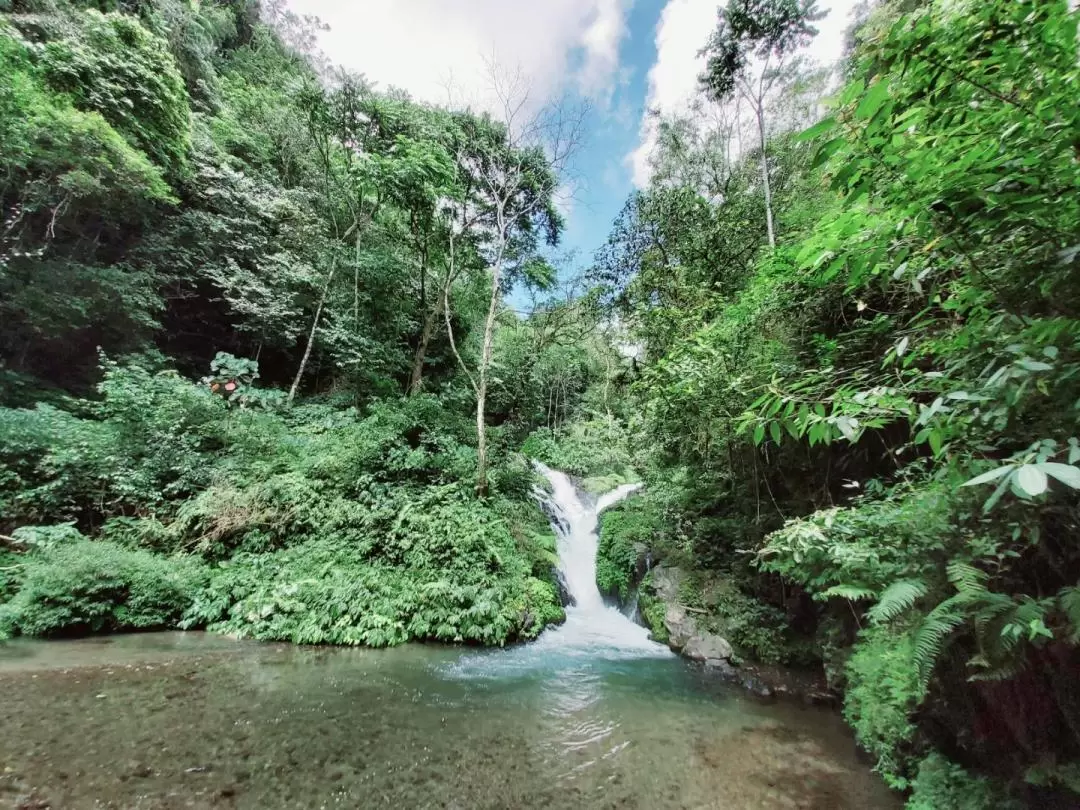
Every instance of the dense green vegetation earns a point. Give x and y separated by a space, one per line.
257 373
255 366
859 384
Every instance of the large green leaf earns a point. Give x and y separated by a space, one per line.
1031 480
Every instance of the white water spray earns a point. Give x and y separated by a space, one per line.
591 626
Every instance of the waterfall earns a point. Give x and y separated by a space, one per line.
590 624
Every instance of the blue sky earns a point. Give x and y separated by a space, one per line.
605 160
625 56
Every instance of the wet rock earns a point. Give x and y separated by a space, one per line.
565 598
707 647
665 582
686 638
680 626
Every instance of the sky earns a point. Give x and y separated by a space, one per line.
626 57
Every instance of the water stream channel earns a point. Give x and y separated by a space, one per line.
591 715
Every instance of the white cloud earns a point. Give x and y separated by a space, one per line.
601 42
428 46
681 33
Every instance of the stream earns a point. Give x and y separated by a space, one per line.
593 714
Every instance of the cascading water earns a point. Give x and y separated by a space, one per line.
594 635
591 627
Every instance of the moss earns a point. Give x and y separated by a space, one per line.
652 611
625 531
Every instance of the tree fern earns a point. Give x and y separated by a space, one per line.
898 598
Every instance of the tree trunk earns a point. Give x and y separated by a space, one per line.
431 320
481 388
765 174
311 336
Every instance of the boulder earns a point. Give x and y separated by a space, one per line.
665 581
684 635
707 647
680 626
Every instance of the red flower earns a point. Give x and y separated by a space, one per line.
230 386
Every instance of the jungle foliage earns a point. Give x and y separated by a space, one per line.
241 293
870 427
257 372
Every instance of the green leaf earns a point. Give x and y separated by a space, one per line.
1034 365
1031 480
827 150
935 442
987 477
759 433
776 433
817 130
875 96
1065 473
991 502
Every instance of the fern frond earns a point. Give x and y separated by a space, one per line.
852 592
931 636
898 598
992 606
1001 672
967 578
1069 602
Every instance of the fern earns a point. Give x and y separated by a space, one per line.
1069 602
853 593
931 635
967 578
898 598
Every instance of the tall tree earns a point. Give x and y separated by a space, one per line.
514 166
749 55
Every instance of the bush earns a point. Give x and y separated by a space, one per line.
323 593
100 587
626 531
944 785
590 448
883 692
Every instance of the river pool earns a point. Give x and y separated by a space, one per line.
190 720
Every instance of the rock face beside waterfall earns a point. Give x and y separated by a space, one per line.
681 627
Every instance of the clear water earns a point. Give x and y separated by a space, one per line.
591 715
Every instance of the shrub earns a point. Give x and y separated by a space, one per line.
625 531
97 587
323 593
944 785
754 628
883 692
589 448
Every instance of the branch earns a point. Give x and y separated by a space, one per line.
450 329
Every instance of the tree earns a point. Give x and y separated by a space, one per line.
372 154
514 167
748 55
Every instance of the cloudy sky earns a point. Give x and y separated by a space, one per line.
626 56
